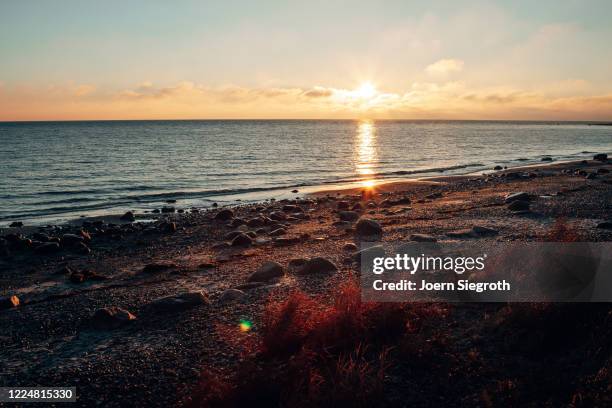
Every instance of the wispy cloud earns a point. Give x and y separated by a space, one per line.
445 66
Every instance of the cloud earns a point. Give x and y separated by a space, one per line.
190 100
444 66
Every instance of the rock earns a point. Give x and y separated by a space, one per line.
294 191
16 224
242 240
167 210
497 168
8 302
231 295
286 241
155 211
72 239
169 227
128 216
368 228
267 271
605 225
368 254
348 216
296 265
349 246
47 248
591 176
278 216
404 200
603 171
236 222
292 209
519 205
159 267
600 157
224 215
85 275
277 232
422 238
179 302
522 196
463 233
433 196
317 265
82 248
546 159
342 205
255 222
231 235
484 231
110 318
39 236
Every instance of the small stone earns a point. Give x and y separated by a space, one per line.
110 318
348 216
71 239
128 216
296 265
16 224
47 248
231 235
480 230
523 196
179 302
368 228
277 232
318 265
267 271
342 205
278 216
422 238
463 233
167 210
600 157
8 302
349 246
224 215
159 267
497 168
518 205
242 240
294 191
231 295
605 225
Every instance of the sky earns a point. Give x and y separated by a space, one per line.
521 60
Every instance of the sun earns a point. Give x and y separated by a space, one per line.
365 91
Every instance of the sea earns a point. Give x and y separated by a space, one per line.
52 172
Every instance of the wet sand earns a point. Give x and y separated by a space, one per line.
51 338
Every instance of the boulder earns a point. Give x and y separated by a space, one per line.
179 302
368 228
317 265
267 271
110 318
8 302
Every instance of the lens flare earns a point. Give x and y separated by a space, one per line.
245 326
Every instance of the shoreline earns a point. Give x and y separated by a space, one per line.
380 184
64 275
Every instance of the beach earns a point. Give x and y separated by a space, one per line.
235 262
